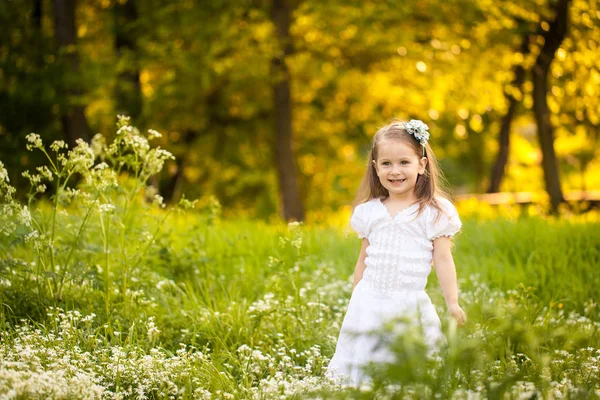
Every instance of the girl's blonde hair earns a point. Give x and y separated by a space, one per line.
430 185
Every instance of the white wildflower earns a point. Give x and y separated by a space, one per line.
153 134
158 200
57 145
24 216
98 144
297 242
35 141
102 166
153 331
3 174
122 120
293 225
32 236
33 179
45 173
106 208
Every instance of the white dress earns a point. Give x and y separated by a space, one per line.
398 262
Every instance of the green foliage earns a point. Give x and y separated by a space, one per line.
205 80
145 301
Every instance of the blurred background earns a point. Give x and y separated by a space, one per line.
270 106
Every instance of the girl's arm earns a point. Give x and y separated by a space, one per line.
360 263
443 263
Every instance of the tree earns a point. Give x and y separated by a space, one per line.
515 89
282 108
72 113
553 37
128 92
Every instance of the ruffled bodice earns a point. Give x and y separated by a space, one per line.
400 248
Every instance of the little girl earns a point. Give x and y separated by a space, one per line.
405 223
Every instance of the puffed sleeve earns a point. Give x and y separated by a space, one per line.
447 224
360 221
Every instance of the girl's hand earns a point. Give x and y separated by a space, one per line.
457 313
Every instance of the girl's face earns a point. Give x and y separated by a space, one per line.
398 167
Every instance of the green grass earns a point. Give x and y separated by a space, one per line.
529 288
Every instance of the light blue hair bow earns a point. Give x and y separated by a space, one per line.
418 129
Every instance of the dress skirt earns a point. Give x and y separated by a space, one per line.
367 313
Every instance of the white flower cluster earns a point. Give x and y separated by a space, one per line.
35 141
12 213
71 362
78 160
418 129
57 145
283 372
153 134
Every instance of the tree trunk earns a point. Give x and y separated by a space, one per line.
128 91
72 116
37 15
285 161
504 138
552 40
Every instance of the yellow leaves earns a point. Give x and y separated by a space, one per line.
463 113
528 101
557 91
192 173
312 36
308 164
421 66
82 30
553 105
476 123
561 54
460 132
514 92
557 70
348 152
571 88
146 87
334 52
436 44
523 152
144 76
571 142
589 90
593 117
587 20
349 32
262 31
517 58
433 114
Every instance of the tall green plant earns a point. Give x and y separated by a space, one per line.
101 215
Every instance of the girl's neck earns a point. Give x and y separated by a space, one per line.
406 198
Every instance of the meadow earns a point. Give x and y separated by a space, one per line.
107 293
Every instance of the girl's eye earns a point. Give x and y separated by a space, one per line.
386 163
404 162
